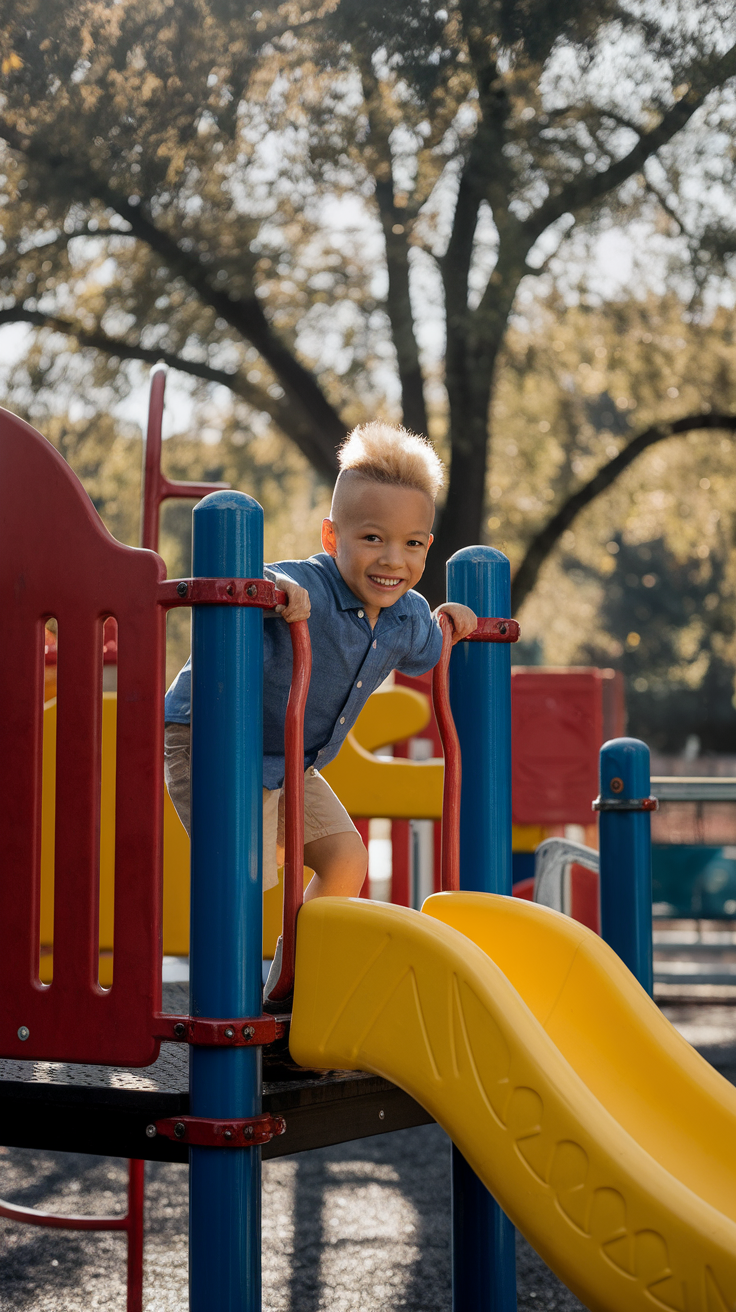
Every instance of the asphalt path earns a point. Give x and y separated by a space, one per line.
363 1225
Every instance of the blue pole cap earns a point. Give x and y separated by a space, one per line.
227 535
480 577
624 768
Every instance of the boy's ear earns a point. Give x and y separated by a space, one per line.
329 539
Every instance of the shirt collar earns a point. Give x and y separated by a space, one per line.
346 598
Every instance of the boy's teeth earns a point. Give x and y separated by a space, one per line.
386 583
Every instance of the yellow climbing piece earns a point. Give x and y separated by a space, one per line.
605 1137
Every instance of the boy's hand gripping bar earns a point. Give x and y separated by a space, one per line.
487 630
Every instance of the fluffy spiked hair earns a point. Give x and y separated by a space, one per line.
387 453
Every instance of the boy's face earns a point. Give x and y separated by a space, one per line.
379 535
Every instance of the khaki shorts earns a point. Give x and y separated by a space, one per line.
324 813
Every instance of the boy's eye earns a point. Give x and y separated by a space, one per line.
372 537
414 542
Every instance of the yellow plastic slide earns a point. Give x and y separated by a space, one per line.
605 1137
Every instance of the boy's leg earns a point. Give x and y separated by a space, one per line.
333 848
339 862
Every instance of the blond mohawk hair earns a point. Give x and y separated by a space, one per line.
388 453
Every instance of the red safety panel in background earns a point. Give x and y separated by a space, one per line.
57 559
559 719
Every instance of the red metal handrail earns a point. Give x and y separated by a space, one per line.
294 803
156 487
131 1223
450 858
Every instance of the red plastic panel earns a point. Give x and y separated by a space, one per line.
57 558
524 888
557 730
584 896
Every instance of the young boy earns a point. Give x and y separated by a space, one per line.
365 620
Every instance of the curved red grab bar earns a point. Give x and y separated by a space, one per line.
301 671
450 861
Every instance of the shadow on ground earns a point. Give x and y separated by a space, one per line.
361 1226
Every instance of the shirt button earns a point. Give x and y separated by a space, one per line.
374 642
361 613
359 684
342 719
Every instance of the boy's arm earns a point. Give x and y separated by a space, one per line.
463 619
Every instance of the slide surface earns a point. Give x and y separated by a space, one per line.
605 1137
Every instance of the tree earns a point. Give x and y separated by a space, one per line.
675 623
176 168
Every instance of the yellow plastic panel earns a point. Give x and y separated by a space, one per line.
527 1039
389 716
393 790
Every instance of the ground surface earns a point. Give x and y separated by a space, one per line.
361 1226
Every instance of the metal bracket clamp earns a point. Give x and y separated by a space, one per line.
205 1132
220 592
626 804
246 1032
493 630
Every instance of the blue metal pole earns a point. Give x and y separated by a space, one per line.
483 1238
626 856
226 915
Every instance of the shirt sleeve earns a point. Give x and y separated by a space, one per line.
426 644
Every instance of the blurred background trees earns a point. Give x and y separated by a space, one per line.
507 222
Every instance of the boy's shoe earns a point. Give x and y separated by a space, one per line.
283 1006
280 1007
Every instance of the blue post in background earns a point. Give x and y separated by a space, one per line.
483 1238
226 915
626 855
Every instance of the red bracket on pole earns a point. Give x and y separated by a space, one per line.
244 1032
489 630
206 1133
220 592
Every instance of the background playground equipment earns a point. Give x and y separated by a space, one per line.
491 999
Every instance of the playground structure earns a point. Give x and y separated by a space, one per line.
512 1026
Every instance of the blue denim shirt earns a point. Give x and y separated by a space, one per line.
349 661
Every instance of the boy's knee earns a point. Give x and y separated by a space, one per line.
340 862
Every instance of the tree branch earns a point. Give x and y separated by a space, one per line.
245 315
393 220
278 408
540 546
583 191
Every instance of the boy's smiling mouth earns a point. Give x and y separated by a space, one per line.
385 581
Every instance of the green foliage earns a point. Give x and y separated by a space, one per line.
674 623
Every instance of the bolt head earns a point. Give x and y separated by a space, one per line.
180 1029
502 628
252 591
248 1131
228 1134
382 1115
182 589
24 1033
229 1032
248 1031
180 1129
151 1131
230 589
617 785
